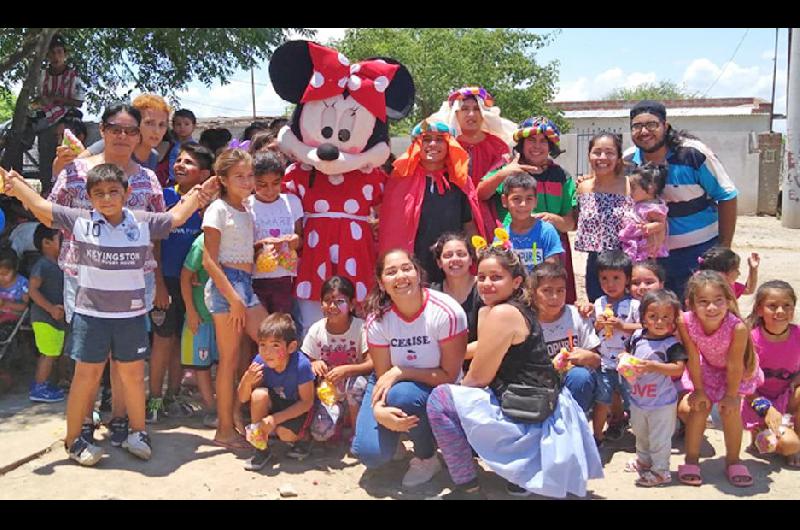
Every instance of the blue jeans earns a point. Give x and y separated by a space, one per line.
593 290
681 264
374 444
582 385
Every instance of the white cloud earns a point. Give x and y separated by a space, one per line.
734 80
586 89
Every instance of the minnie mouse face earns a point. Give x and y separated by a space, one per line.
339 124
339 121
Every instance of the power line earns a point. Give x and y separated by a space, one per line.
728 63
212 106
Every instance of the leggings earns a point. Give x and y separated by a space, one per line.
450 437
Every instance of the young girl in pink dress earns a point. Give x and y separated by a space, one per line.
775 405
722 368
644 233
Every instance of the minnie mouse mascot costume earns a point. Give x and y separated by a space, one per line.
338 137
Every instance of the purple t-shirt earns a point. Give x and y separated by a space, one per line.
652 390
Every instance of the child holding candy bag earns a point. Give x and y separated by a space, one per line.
337 348
278 222
658 357
769 412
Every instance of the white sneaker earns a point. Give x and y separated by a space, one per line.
421 471
85 453
138 444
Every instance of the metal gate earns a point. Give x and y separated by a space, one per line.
583 137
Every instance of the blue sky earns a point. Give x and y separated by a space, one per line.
593 61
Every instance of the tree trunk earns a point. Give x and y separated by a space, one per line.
12 157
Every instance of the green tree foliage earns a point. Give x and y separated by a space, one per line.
443 59
114 62
7 102
659 91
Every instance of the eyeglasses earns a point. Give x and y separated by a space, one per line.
118 130
650 126
99 195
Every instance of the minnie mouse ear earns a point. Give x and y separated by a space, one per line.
401 92
290 68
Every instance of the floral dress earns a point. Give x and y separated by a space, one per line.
600 217
337 237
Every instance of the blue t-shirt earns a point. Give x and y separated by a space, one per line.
544 235
286 384
175 248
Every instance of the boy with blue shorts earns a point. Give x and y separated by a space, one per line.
46 289
111 244
614 269
199 339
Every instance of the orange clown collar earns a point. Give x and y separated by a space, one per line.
457 162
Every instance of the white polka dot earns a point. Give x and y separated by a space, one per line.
302 190
342 82
336 180
355 230
350 266
322 206
381 83
355 68
343 60
361 291
306 167
313 239
334 253
304 290
351 206
367 191
317 80
290 186
354 83
322 271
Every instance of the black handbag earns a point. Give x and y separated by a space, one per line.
532 403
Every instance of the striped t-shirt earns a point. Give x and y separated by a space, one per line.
696 182
110 259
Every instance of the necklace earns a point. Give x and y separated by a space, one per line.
768 332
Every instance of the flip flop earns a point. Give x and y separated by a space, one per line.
635 466
689 474
739 471
239 444
650 479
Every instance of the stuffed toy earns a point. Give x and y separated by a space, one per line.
338 138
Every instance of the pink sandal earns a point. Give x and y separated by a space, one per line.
739 476
689 474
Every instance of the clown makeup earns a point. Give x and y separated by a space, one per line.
275 352
336 307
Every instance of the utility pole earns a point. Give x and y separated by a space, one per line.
790 217
774 75
253 91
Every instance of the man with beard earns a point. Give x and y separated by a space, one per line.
700 195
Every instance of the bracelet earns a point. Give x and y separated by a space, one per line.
761 406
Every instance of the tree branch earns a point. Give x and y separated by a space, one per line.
26 48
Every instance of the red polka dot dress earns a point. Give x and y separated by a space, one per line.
337 238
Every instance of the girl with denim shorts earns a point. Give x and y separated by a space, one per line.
229 296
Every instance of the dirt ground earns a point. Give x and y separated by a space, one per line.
185 464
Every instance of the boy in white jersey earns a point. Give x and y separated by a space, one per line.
111 245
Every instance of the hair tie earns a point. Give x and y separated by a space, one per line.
700 260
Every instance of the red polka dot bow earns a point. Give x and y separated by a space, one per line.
366 81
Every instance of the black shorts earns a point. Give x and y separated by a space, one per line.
175 314
296 425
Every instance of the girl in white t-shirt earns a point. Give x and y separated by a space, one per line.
564 327
337 346
278 224
228 259
417 339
